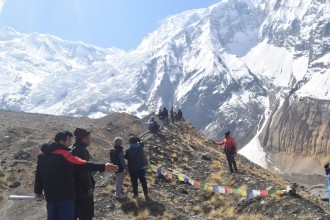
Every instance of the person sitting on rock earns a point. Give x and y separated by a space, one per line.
153 126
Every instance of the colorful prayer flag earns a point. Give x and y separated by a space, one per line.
169 175
197 183
263 193
251 194
228 190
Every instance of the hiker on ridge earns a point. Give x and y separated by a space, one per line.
54 176
136 162
180 116
153 126
83 180
165 117
172 113
117 158
230 150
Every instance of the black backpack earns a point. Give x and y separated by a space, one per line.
114 157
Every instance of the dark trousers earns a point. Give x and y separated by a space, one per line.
139 175
63 210
231 161
84 208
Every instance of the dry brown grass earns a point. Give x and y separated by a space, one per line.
197 210
185 159
217 201
215 165
225 212
143 215
252 217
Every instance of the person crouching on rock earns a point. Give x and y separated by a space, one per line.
137 161
230 150
117 158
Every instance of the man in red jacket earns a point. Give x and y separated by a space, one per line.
230 150
53 176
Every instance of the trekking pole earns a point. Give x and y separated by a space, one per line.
23 197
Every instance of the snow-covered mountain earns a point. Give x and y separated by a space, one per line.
238 65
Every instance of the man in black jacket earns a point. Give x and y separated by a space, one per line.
83 180
54 176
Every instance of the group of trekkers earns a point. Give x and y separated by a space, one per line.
64 173
163 116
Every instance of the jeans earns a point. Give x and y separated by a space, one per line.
63 210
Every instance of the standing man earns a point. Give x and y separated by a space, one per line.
165 116
54 176
83 180
136 162
230 150
180 116
172 115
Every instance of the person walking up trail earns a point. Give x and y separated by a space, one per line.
230 150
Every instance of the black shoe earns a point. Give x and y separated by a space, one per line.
147 198
135 196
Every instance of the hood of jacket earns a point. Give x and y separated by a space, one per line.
79 144
52 146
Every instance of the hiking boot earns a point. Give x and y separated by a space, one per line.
121 196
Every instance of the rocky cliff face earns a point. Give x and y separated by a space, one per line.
300 128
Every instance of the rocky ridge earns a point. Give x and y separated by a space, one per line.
179 147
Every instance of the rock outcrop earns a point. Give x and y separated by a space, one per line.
300 128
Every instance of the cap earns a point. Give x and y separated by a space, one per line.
80 133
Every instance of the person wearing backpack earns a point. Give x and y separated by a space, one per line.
117 158
230 150
137 162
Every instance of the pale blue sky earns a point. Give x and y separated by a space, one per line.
105 23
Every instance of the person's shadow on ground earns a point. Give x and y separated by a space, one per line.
139 205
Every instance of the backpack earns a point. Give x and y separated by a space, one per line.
230 149
114 157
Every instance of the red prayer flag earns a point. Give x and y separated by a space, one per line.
197 183
169 175
228 190
263 193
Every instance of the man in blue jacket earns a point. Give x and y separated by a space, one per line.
136 162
